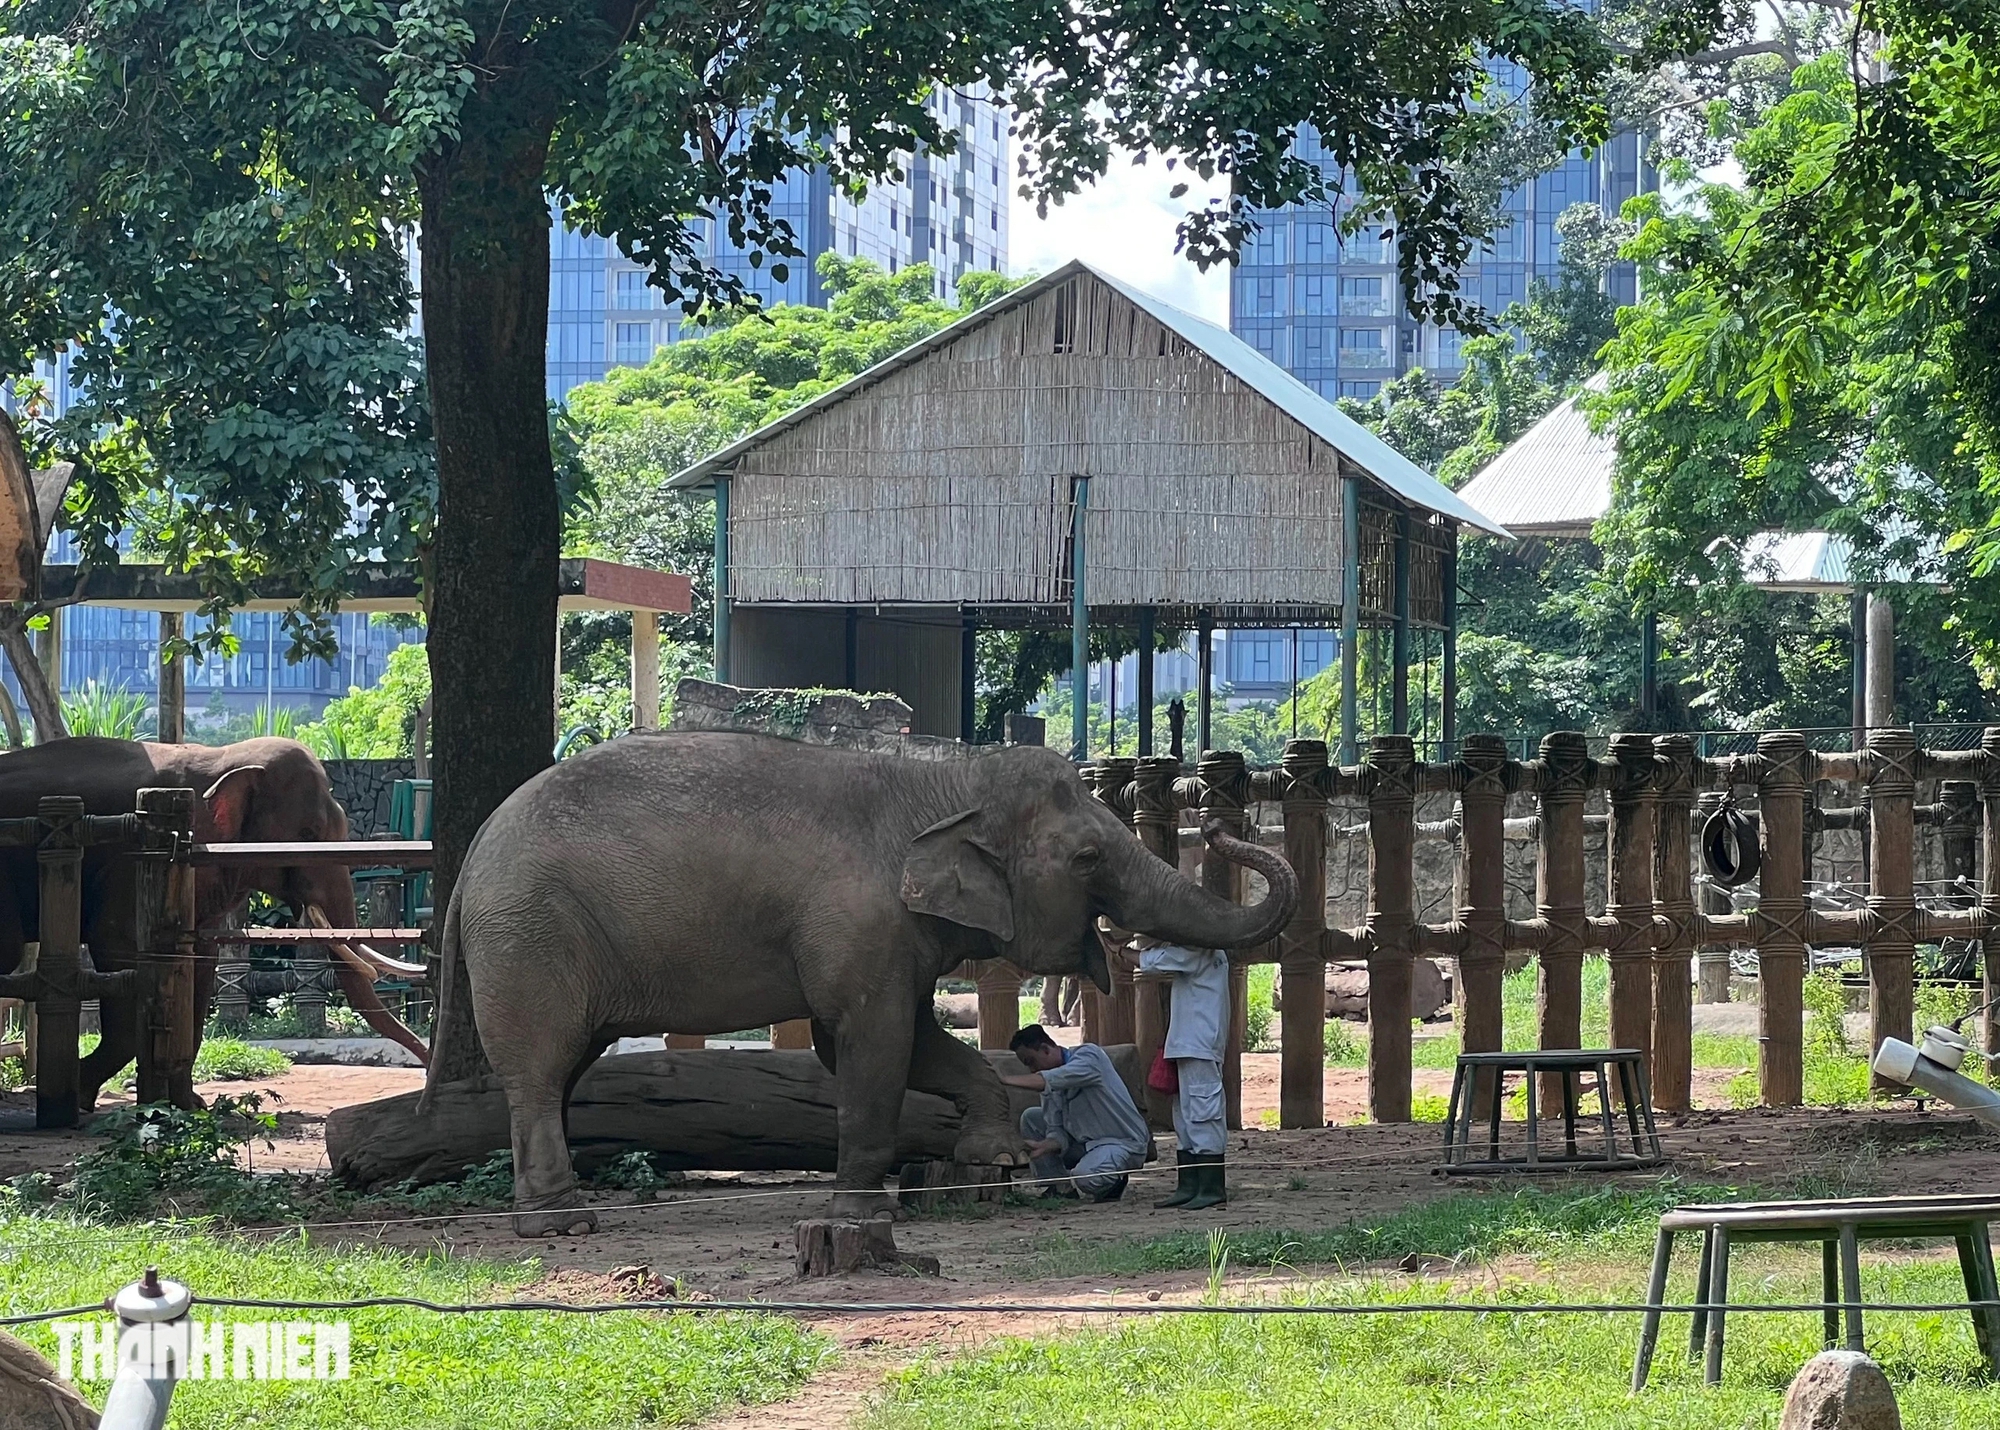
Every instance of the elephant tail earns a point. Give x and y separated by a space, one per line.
447 975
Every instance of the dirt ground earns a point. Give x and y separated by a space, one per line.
730 1237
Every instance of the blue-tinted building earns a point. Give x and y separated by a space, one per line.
1330 310
949 211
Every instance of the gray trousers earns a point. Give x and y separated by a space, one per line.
1199 1119
1089 1169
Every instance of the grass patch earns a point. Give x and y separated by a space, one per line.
1449 1372
1470 1224
413 1370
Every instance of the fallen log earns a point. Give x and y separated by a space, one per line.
719 1110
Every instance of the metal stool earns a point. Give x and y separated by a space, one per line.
1461 1152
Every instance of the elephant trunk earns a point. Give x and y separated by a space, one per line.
1155 899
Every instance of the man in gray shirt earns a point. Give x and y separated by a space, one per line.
1087 1134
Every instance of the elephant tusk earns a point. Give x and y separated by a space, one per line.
377 964
392 967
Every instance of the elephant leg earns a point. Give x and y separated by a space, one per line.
538 1079
873 1057
941 1064
117 1046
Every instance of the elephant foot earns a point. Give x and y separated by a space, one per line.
866 1206
997 1146
557 1221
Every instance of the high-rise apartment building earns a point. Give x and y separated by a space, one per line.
1330 309
949 211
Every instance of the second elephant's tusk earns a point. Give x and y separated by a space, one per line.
392 966
376 965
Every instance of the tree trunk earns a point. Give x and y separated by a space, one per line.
714 1110
485 250
44 706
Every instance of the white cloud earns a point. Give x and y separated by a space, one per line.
1124 224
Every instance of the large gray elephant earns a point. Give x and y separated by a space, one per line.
263 791
706 881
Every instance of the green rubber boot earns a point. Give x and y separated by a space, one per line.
1209 1188
1186 1187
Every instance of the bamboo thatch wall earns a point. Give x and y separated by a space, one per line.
950 480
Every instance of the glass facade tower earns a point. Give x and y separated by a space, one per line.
949 211
1330 309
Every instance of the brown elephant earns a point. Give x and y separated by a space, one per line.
265 790
702 881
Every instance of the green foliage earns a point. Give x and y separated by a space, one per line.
1263 981
377 723
414 1369
1436 1371
160 1157
115 714
1345 1048
1807 354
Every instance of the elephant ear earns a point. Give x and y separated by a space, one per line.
953 874
227 801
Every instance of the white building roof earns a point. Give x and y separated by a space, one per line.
1383 463
1552 480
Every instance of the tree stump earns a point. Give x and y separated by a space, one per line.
933 1186
835 1248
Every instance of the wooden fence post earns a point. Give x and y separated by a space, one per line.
1225 793
1107 1017
1565 782
1629 893
1781 950
1482 855
1390 781
1673 898
1301 967
999 1004
1156 822
165 980
1892 948
59 860
1989 872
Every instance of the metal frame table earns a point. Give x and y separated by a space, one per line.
1839 1227
1568 1065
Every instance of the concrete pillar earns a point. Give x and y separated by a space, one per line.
1301 966
1781 952
1566 776
1390 779
1673 898
1892 952
1482 879
1629 893
1225 795
645 670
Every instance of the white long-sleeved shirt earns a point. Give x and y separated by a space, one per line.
1198 1019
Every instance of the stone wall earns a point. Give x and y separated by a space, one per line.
362 787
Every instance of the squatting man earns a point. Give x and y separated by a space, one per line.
1087 1134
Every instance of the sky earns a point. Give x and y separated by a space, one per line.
1124 224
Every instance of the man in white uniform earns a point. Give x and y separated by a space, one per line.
1088 1133
1197 1032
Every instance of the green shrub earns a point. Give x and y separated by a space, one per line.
1428 1107
1345 1047
233 1060
1257 1006
162 1158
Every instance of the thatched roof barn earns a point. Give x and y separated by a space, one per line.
866 533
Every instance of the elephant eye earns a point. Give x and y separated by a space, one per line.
1086 859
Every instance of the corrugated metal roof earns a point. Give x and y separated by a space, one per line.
1552 480
1797 561
1383 463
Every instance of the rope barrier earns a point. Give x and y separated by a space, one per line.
1057 1308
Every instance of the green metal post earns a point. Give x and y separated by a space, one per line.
1350 614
